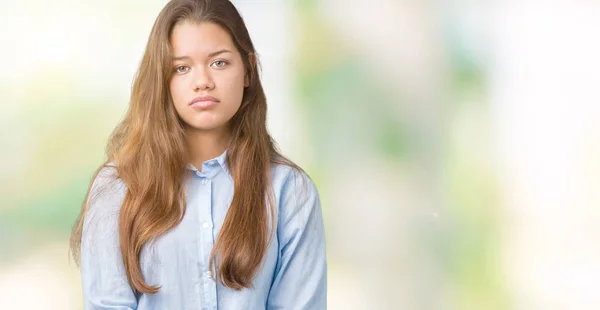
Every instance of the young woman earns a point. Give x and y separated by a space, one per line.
195 208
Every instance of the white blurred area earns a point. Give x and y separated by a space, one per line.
543 76
545 81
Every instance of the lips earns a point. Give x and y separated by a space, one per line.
204 102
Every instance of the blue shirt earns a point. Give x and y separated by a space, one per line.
293 274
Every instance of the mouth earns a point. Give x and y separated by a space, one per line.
204 102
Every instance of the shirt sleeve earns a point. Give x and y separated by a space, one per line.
104 281
300 280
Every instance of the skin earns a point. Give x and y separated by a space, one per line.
206 63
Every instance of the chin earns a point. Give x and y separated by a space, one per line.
205 126
204 123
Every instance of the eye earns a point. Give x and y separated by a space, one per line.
219 63
181 69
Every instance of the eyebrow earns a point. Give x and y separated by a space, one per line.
213 54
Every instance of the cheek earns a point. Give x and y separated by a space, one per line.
176 88
235 88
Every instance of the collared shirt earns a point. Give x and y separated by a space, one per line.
292 274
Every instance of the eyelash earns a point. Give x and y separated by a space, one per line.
223 61
177 68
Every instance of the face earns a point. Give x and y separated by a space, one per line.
208 75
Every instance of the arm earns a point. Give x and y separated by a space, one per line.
300 281
105 284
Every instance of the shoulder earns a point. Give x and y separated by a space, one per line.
106 172
106 179
103 205
286 178
107 191
295 192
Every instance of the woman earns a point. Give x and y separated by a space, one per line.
195 208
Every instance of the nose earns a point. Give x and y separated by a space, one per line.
203 79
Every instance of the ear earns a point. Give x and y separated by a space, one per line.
246 80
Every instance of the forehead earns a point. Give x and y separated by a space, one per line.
189 38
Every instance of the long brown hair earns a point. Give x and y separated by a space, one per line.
150 153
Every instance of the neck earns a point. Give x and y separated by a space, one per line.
204 145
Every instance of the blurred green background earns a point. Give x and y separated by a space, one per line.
455 144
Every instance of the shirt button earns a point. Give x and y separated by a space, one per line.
205 225
204 181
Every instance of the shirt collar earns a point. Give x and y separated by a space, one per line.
222 160
208 167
